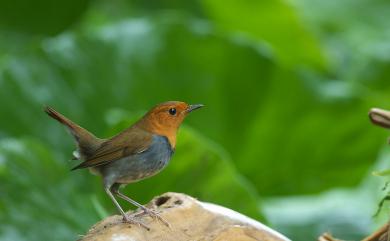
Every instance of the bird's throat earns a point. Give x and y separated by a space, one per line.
154 127
169 134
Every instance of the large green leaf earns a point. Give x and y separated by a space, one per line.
282 129
355 38
39 201
274 22
41 16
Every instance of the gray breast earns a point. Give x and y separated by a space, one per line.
157 155
141 165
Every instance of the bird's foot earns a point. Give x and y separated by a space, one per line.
153 214
127 219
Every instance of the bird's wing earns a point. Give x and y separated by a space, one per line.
128 143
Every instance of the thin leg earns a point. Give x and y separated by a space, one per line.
125 217
153 214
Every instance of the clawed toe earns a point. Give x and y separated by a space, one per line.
154 214
133 221
145 210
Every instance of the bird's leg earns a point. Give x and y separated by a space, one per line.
153 214
148 211
125 217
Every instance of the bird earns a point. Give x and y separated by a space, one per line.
138 152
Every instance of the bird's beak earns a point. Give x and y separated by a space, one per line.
380 117
193 107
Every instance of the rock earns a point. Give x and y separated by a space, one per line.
189 220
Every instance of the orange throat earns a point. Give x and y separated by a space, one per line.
172 140
168 131
169 134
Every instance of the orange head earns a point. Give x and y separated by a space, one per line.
165 119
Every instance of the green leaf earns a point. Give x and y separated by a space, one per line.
381 173
39 199
281 128
28 17
273 22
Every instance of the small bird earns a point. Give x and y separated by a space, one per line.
138 152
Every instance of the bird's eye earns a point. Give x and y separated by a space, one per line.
172 111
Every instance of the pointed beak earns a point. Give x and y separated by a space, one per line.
193 107
380 117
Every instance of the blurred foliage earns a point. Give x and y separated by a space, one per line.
287 85
287 43
41 16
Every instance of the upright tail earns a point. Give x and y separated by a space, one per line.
87 143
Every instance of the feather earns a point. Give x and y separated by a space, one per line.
130 142
86 142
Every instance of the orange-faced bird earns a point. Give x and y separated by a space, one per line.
138 152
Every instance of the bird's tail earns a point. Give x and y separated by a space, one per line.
87 143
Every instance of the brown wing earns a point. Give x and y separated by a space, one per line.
129 142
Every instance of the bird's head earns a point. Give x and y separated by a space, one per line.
165 118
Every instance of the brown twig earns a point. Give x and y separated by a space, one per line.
382 234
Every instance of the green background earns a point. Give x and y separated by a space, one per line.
284 138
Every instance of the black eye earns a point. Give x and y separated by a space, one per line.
172 111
